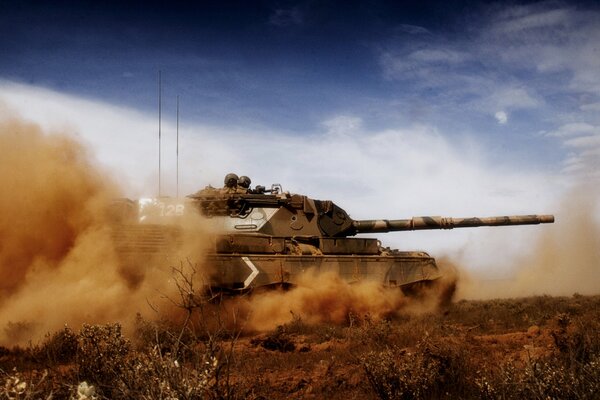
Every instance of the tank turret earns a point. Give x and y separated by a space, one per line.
278 213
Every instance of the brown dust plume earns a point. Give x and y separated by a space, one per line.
327 298
57 260
563 261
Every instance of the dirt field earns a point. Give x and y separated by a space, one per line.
538 347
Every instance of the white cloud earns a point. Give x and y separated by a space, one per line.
501 117
439 56
526 18
456 71
509 43
512 98
574 128
552 38
590 107
343 124
122 139
537 63
395 173
584 140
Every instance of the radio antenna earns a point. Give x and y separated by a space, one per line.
159 130
177 146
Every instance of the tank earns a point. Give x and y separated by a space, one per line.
265 238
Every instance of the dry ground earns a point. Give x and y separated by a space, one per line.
538 347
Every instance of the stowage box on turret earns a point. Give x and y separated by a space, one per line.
266 237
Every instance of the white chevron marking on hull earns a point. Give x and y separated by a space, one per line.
253 274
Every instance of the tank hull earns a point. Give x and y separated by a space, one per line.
240 263
252 271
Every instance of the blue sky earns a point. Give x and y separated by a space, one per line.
509 74
389 108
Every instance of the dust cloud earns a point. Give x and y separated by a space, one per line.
322 298
58 264
565 259
327 298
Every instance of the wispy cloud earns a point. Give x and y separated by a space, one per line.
574 129
551 38
512 98
411 29
537 63
283 17
438 56
583 139
520 19
343 124
590 107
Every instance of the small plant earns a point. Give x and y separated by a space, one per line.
374 333
17 387
154 376
85 392
434 369
163 335
542 379
59 348
101 354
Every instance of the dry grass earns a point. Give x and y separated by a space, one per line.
539 347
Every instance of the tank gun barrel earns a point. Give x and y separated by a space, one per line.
423 223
